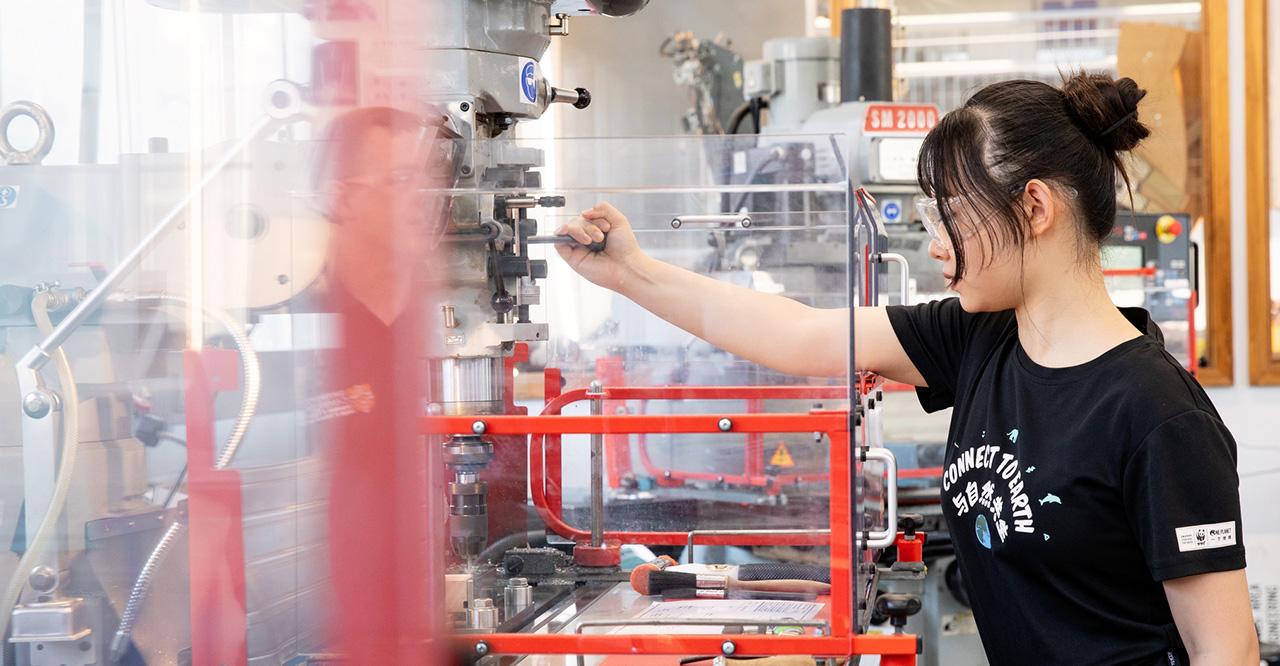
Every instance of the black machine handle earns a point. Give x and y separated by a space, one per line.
770 571
908 523
898 607
597 246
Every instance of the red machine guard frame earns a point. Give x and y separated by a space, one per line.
896 650
753 467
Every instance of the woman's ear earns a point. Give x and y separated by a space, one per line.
1042 208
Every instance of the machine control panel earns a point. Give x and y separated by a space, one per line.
1153 245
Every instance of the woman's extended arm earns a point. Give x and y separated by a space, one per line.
771 330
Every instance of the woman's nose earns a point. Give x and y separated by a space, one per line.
938 251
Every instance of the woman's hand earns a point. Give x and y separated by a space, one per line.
607 268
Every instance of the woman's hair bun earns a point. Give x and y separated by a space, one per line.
1106 108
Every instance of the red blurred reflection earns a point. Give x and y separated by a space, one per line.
371 174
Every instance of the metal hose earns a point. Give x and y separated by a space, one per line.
120 642
251 383
62 482
250 371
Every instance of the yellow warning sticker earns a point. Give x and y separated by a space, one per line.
782 457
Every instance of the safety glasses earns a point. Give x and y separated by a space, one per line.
931 216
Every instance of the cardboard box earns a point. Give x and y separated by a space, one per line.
1165 60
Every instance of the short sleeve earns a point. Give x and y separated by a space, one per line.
1182 496
935 336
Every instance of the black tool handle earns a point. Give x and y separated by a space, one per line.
597 246
771 571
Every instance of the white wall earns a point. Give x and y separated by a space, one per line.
631 88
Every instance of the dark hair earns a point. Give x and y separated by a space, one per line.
982 154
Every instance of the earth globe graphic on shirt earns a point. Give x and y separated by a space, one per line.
982 530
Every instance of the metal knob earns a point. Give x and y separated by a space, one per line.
43 579
37 404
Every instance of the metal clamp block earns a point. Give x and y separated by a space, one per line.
50 621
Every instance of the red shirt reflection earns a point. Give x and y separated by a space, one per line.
372 176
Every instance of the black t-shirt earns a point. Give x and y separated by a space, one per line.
1071 493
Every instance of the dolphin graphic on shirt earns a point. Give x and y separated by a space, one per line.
1050 498
1013 435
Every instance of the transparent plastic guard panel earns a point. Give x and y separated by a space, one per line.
765 213
1140 270
190 392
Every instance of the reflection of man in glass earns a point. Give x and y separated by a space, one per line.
371 176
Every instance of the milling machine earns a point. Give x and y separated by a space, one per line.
485 79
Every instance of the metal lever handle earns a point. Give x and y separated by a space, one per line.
531 202
580 98
904 272
597 246
715 221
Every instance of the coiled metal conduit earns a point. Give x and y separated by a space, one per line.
251 383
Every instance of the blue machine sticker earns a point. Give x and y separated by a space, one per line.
528 81
8 196
891 211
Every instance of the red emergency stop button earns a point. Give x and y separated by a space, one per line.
1168 228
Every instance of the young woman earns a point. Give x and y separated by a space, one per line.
1090 486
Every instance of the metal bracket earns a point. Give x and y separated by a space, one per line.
559 27
63 631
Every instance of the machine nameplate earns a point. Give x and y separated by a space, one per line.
901 118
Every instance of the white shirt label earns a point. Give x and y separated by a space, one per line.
1202 537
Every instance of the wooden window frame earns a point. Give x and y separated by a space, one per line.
1264 367
1216 161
